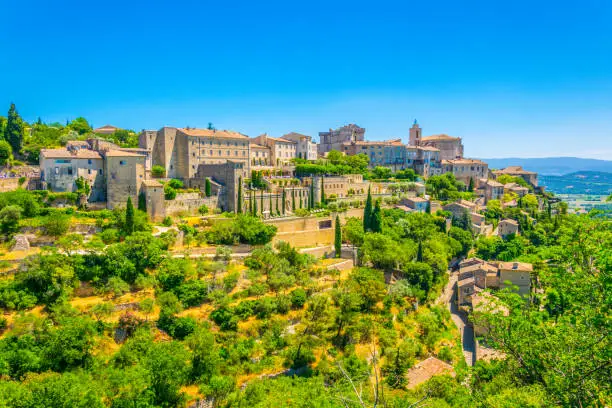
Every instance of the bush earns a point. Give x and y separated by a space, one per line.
298 298
56 225
203 210
169 192
167 221
174 183
6 152
158 171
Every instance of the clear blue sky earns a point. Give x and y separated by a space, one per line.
519 78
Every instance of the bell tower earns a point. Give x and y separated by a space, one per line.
415 134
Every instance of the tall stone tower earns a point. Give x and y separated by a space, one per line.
415 134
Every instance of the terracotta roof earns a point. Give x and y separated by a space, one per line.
121 153
404 208
430 148
70 154
494 183
257 146
391 142
466 281
417 199
442 136
509 221
297 135
516 266
426 369
222 134
463 161
107 129
513 170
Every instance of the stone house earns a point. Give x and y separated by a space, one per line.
517 171
60 168
490 190
466 169
415 203
181 150
261 157
306 148
451 148
334 139
516 274
106 130
507 227
125 172
281 150
516 189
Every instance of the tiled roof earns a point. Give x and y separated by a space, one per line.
70 154
392 142
516 266
509 221
121 153
442 136
516 170
222 134
152 183
258 146
463 161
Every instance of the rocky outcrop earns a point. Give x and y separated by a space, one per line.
21 243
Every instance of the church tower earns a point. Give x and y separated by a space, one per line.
415 134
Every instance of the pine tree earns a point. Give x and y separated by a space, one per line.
207 187
14 129
367 213
376 220
251 203
239 205
129 217
142 202
293 199
471 185
284 201
428 207
338 238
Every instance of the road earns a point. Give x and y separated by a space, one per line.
459 318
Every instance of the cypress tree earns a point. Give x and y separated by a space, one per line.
338 238
239 205
142 202
376 220
323 198
471 185
254 206
251 203
284 201
277 207
428 207
293 199
14 129
367 213
207 187
311 198
129 217
262 202
301 204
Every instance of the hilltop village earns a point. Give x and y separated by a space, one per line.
189 267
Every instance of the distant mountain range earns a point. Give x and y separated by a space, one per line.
556 166
582 182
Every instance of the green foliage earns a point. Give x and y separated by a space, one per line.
129 217
80 125
244 229
367 213
338 238
14 129
169 192
9 218
158 171
376 219
56 225
207 187
6 153
444 187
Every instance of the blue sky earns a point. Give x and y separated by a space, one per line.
521 78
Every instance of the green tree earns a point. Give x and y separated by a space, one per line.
207 187
471 185
255 212
376 220
14 129
311 195
323 198
158 171
142 202
338 238
9 218
367 213
353 231
6 152
293 199
277 206
239 205
129 217
261 198
284 201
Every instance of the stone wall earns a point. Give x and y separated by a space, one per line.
188 203
10 184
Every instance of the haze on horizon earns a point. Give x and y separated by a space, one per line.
513 80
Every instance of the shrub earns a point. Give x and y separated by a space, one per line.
169 192
158 171
203 210
298 298
174 183
167 221
56 225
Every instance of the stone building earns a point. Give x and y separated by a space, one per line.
516 189
507 227
181 150
476 275
490 190
450 147
334 139
418 204
106 130
416 135
261 157
281 150
125 172
226 177
60 168
517 171
466 169
306 148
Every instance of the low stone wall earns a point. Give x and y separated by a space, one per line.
11 184
188 203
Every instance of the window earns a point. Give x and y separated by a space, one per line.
122 162
70 171
88 171
101 172
57 170
88 161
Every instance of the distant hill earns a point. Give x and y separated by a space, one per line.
557 166
583 182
